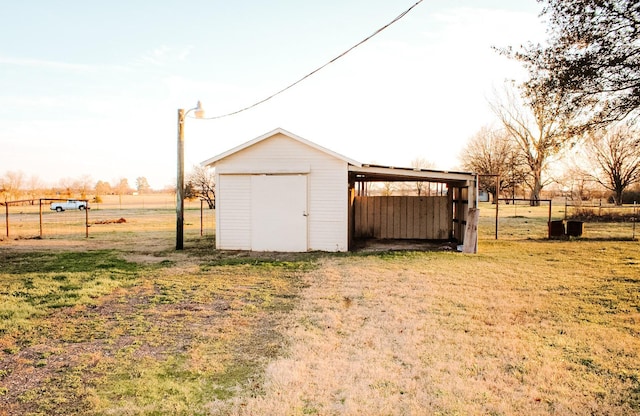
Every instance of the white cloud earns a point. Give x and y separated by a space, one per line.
164 55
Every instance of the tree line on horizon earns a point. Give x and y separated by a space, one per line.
15 186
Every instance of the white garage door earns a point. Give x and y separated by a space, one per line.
279 213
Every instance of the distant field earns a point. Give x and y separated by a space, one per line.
122 324
141 213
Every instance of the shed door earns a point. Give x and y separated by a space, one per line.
279 213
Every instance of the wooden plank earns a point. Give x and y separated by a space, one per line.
376 217
460 216
384 217
403 216
363 216
430 218
422 215
436 217
396 217
442 217
471 232
356 217
412 218
368 230
425 212
416 217
359 209
450 214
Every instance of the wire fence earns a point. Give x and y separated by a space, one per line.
517 219
32 219
36 218
605 220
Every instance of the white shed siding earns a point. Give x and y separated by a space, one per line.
328 201
233 212
327 190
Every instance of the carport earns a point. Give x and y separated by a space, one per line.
439 213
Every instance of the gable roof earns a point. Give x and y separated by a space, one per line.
272 133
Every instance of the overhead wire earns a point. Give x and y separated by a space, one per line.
400 16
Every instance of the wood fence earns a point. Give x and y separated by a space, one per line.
403 217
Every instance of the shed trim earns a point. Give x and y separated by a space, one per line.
293 170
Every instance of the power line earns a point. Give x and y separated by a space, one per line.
400 16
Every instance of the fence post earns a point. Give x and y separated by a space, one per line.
634 220
497 201
86 219
6 210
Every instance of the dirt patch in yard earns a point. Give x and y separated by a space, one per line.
379 245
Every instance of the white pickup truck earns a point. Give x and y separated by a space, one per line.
68 204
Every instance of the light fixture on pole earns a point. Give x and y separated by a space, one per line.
198 112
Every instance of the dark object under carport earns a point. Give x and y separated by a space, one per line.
575 228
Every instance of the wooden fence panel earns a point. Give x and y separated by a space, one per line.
402 217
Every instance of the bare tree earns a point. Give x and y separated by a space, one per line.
65 187
421 163
387 188
492 152
201 184
574 182
35 186
122 188
614 158
83 185
103 188
142 185
542 123
11 184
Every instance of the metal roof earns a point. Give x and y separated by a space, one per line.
381 173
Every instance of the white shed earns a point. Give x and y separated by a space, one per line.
280 192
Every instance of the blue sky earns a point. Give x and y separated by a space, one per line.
92 88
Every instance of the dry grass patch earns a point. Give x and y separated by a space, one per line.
522 328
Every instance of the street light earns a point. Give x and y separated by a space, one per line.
198 111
